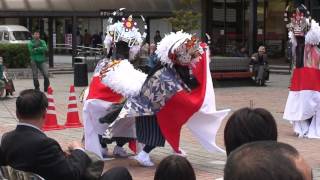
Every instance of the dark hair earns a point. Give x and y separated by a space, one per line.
31 104
157 31
122 50
263 160
247 125
174 168
117 173
186 77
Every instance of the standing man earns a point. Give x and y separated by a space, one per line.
86 38
37 49
157 38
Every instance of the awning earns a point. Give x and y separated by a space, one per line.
89 5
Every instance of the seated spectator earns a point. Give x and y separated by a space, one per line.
117 173
248 125
242 52
174 167
266 160
28 149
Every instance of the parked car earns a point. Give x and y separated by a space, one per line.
14 34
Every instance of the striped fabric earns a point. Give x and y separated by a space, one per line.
148 131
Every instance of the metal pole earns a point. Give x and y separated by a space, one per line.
243 11
74 37
30 24
148 31
253 26
265 5
206 17
225 26
50 42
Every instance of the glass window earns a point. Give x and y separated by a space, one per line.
315 3
316 14
230 27
276 34
236 28
218 27
261 23
6 36
1 35
21 35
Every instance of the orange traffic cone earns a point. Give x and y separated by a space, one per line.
73 120
51 122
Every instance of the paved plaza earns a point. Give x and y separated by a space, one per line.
233 95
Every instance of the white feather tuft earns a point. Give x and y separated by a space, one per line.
313 35
292 38
124 79
167 42
108 42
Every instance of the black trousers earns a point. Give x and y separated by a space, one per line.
148 131
300 51
120 141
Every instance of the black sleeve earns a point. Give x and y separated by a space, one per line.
53 164
2 159
2 156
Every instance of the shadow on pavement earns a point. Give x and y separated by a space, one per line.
234 83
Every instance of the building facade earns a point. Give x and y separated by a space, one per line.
237 27
65 21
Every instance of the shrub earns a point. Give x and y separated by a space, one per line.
15 55
186 18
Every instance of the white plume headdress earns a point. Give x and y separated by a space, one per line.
126 30
179 48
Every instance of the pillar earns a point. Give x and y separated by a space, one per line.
74 37
50 42
253 26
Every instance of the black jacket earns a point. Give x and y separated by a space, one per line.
1 157
28 149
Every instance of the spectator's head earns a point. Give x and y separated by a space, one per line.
85 30
266 160
157 33
153 48
36 35
31 106
261 50
118 173
247 125
174 168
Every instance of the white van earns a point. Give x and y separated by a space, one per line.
14 34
